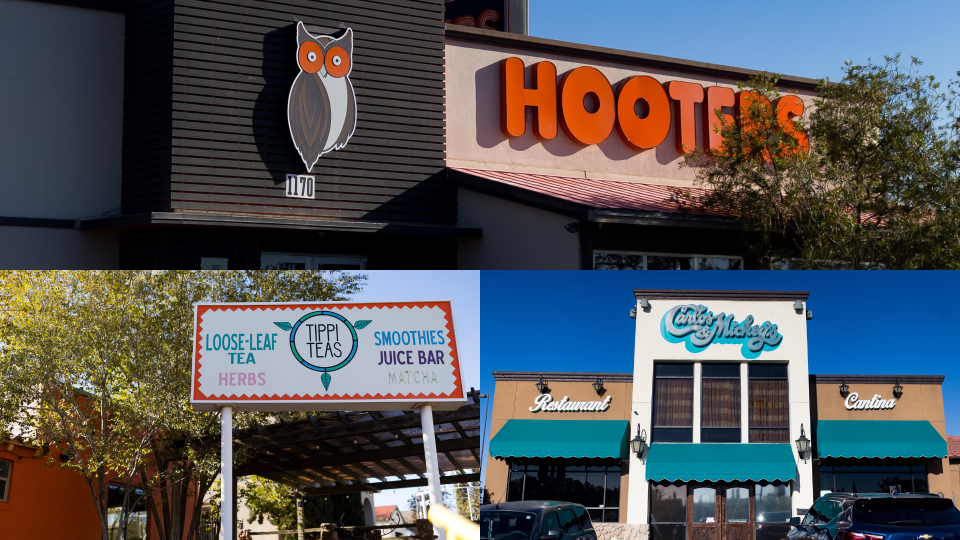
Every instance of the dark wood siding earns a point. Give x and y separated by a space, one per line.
208 130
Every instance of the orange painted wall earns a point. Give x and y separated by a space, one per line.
51 502
45 501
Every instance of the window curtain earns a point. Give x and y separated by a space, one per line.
673 404
769 408
720 403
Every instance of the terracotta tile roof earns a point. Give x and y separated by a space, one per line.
953 446
383 512
601 194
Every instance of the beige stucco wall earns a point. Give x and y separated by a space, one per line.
474 138
513 399
918 402
515 236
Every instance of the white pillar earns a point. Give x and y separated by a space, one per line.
744 402
430 458
226 472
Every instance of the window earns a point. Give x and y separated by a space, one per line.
292 261
870 476
5 468
136 518
769 397
672 403
593 483
668 512
720 403
772 511
626 260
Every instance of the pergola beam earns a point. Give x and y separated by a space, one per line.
380 486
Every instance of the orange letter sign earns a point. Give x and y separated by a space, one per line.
514 97
649 131
685 95
578 123
788 108
717 97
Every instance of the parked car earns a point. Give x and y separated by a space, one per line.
536 520
878 516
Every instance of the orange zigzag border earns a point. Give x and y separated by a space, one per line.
444 306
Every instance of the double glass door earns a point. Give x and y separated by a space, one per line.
720 511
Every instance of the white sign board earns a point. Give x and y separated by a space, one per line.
326 356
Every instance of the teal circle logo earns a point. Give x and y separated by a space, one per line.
319 341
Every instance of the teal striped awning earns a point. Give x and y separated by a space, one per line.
879 439
561 439
720 462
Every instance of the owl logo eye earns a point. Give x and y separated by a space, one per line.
338 63
310 57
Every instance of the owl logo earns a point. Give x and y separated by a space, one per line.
322 108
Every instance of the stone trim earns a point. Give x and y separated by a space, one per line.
549 377
682 294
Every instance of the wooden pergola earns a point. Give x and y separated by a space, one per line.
348 452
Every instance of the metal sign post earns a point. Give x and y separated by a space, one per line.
430 458
226 472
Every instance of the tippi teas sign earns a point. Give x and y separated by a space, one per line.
289 356
698 328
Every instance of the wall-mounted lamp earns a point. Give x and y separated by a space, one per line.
897 390
644 303
638 442
633 313
798 305
572 227
598 386
844 389
66 456
541 385
803 444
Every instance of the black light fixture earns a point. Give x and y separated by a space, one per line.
844 389
638 442
803 444
541 385
897 390
598 385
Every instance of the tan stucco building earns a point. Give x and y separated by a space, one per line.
720 410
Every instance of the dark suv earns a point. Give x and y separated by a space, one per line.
878 516
535 520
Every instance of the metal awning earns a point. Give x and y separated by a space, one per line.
561 439
878 439
720 462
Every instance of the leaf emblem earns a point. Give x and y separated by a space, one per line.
284 325
325 379
360 325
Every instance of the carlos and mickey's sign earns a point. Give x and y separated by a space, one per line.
289 356
698 328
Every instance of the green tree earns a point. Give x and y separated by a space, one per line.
878 188
97 367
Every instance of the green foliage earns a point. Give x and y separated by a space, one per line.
344 509
268 499
879 188
99 364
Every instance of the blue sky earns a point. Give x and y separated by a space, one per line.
890 323
463 288
807 39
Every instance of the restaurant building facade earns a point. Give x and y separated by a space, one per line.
702 441
189 137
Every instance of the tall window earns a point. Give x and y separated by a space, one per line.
672 403
769 404
5 467
720 403
773 511
136 518
593 483
668 512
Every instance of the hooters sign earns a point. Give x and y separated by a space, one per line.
640 108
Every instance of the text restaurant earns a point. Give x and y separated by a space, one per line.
719 433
